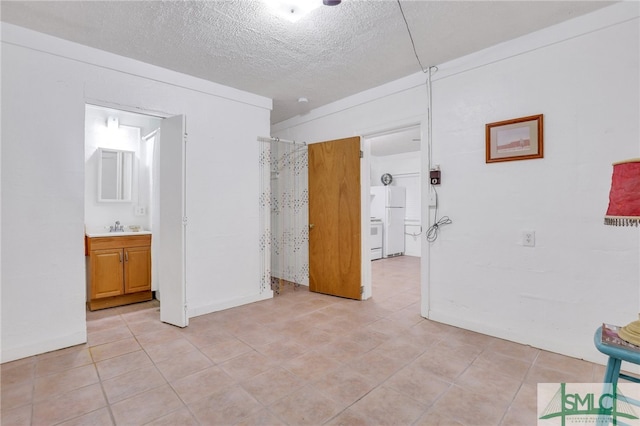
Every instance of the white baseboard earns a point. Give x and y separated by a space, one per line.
60 342
226 304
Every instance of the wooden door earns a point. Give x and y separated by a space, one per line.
106 273
137 269
334 218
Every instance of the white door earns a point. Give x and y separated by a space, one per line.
171 229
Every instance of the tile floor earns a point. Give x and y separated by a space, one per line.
298 359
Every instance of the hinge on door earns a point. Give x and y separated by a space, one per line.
185 220
361 154
361 290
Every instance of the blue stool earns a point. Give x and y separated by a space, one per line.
616 356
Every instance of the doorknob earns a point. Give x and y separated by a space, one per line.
311 225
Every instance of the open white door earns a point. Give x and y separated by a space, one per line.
172 218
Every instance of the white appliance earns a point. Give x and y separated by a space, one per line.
388 203
376 239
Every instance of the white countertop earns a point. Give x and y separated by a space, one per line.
105 233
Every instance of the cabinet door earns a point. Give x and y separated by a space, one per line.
106 273
137 269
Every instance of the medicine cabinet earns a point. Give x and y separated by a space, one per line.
115 173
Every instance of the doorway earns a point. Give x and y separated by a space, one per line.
155 203
395 160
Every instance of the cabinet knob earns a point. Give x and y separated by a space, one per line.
311 226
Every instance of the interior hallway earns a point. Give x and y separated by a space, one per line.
300 358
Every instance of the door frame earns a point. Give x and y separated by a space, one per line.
152 113
425 161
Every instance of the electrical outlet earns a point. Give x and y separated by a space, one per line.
529 238
139 211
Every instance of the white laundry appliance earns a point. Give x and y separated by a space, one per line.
389 204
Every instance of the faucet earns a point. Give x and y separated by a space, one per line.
117 227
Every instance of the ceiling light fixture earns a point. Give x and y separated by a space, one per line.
331 2
292 10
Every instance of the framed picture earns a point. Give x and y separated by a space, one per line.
516 139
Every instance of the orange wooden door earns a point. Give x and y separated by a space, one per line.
137 269
334 218
106 273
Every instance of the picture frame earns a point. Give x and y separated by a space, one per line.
515 139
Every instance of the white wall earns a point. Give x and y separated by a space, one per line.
97 214
583 75
45 85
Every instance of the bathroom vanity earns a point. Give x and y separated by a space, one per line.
119 268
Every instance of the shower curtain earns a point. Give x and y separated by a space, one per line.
284 200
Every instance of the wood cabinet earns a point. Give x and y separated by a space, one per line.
119 270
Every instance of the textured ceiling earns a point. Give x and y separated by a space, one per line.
331 53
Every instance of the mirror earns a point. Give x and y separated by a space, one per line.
115 171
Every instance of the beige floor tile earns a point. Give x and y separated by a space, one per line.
226 350
400 349
132 383
305 407
477 409
342 349
190 362
106 321
146 407
113 349
418 384
18 372
202 384
486 382
523 409
162 335
272 385
47 387
168 350
115 366
181 417
247 365
66 361
386 406
108 335
539 374
146 325
344 386
444 362
350 418
375 366
66 406
281 349
100 417
311 365
499 364
19 416
576 367
513 350
225 407
261 418
442 419
16 395
259 336
299 358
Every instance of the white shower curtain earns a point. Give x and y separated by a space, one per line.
284 204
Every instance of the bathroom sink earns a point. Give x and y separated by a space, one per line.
93 233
